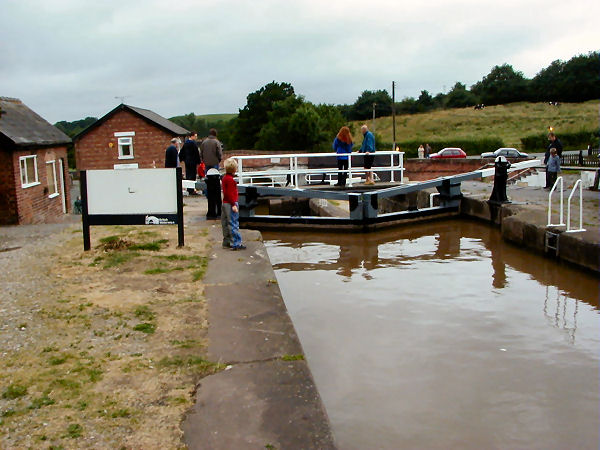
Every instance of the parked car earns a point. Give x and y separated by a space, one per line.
507 152
449 152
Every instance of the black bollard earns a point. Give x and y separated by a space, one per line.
213 194
500 178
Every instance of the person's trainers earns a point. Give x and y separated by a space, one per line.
239 247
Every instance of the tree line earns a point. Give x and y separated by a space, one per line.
276 118
573 81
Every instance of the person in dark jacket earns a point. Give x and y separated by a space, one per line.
342 144
554 142
190 156
172 154
368 148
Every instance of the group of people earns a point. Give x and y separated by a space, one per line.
208 155
342 144
198 161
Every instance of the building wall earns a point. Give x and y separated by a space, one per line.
8 200
98 149
33 204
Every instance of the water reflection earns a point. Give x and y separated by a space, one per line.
438 242
443 336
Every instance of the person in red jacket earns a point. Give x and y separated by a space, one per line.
230 214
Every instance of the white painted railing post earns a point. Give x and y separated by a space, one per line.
580 184
433 194
561 223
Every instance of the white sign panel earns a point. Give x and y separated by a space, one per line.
136 191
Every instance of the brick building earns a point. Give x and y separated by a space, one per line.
126 136
34 183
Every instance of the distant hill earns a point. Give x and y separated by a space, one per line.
217 117
509 123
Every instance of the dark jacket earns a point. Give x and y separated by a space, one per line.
171 158
189 153
553 144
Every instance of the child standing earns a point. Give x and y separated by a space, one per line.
230 212
552 168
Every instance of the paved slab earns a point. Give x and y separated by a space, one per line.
266 397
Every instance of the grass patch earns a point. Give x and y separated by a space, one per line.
14 391
145 327
153 246
197 275
156 271
144 313
119 258
190 362
298 357
38 403
74 430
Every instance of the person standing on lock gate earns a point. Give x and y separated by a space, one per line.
172 154
230 213
342 144
552 168
368 148
553 142
190 156
211 150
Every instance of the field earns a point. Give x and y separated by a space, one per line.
507 122
211 118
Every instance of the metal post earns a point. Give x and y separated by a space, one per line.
180 228
394 115
561 223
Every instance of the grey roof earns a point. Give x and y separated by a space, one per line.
159 120
24 127
146 114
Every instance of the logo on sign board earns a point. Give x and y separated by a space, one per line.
153 220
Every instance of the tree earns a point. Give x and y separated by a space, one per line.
573 81
425 102
502 85
460 97
295 124
363 107
255 114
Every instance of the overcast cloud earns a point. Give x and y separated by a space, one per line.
69 59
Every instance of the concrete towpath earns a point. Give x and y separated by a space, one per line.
266 398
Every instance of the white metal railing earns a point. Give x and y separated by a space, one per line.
295 170
558 180
433 194
580 184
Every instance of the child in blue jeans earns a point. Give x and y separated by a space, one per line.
230 214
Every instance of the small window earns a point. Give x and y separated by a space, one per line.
125 148
29 174
51 177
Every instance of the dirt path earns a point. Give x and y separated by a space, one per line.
101 349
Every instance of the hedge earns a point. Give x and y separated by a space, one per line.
470 146
571 141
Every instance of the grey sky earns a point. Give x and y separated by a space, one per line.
68 59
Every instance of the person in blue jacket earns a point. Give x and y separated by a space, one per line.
342 144
368 148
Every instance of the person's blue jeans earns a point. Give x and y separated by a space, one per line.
236 237
230 222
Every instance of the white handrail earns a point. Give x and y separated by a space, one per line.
559 179
295 171
580 208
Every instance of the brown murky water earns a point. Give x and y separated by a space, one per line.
442 336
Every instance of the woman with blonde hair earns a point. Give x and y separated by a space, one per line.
342 144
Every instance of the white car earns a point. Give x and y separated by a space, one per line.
507 152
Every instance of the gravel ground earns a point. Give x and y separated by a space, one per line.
27 253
